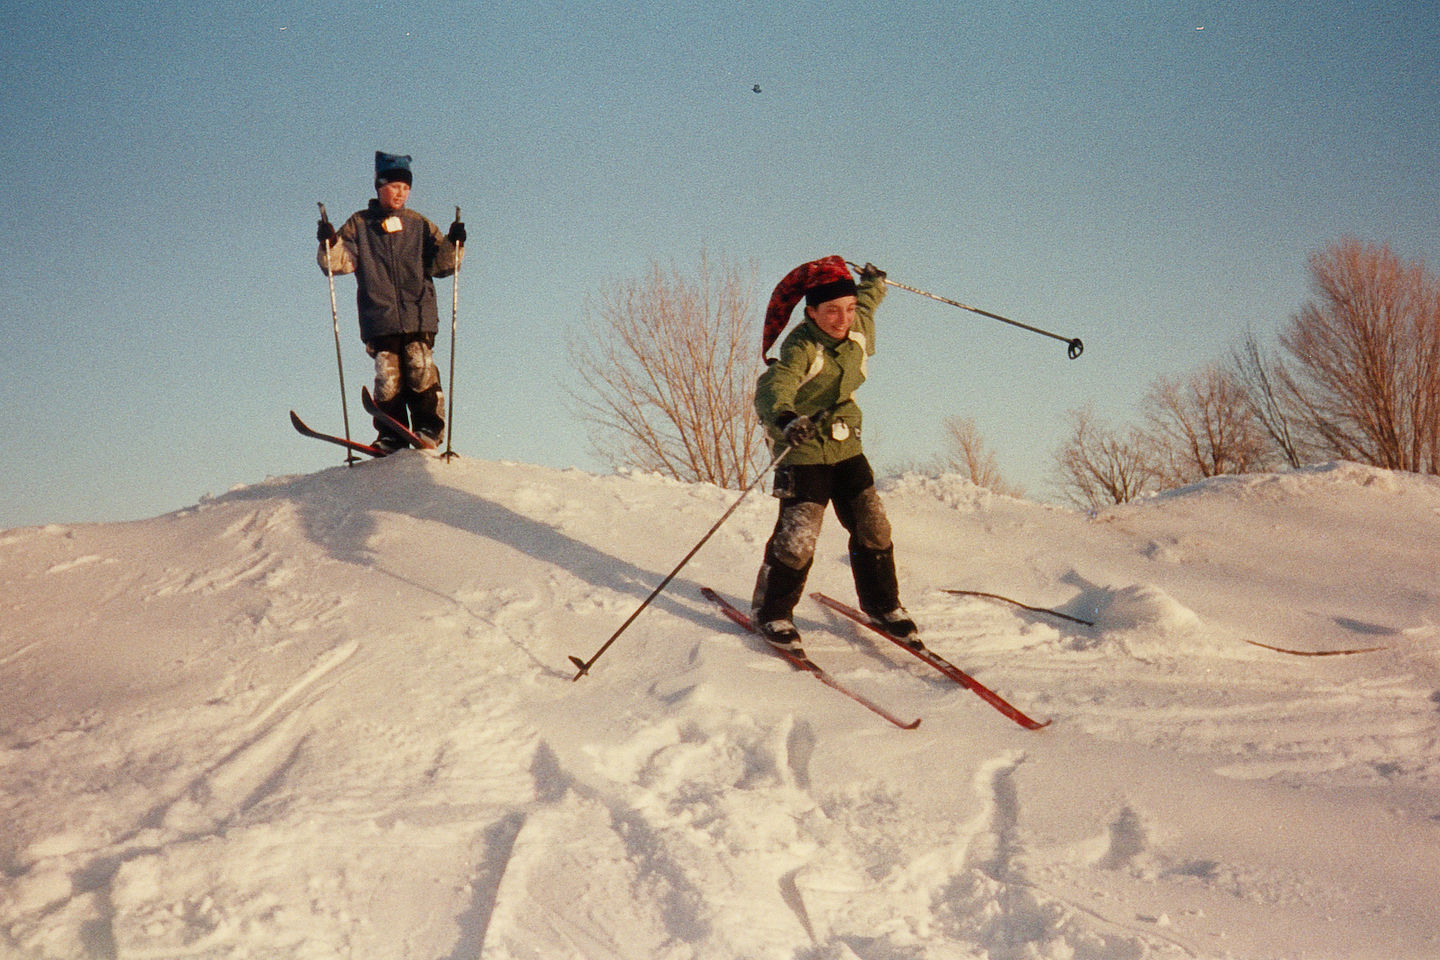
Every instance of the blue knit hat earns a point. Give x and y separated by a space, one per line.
390 167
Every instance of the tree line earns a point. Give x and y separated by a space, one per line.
667 366
1354 375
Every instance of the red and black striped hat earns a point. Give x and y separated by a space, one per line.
817 281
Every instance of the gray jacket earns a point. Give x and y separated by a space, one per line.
394 257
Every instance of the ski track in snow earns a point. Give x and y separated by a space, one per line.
330 716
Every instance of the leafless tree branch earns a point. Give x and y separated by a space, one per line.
1365 381
1098 467
667 366
966 454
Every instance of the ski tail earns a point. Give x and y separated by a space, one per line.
802 662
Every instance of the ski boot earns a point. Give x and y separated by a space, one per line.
782 635
898 624
388 443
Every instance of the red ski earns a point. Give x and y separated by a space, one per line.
338 441
801 662
396 427
939 663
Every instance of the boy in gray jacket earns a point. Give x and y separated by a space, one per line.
395 253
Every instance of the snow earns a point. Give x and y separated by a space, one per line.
332 716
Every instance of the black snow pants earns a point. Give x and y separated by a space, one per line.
804 490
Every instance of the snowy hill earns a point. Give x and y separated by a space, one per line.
332 716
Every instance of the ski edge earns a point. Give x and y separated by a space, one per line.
805 664
939 663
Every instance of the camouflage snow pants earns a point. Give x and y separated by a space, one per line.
407 383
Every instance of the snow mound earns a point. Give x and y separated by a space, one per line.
950 489
1143 607
1326 479
334 716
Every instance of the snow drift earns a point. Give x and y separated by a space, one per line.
332 716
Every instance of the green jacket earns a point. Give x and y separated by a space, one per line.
813 373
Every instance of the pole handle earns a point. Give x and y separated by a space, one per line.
323 215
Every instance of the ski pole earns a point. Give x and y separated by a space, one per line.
583 666
449 453
350 458
1074 343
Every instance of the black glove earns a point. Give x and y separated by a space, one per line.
796 429
456 234
325 233
871 272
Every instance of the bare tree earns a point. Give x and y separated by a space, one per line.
1366 353
1201 427
668 364
966 454
1264 380
1360 381
1097 467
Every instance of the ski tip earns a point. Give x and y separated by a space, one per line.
911 725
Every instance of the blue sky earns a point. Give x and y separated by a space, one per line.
1150 177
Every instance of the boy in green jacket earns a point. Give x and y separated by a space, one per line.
806 400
